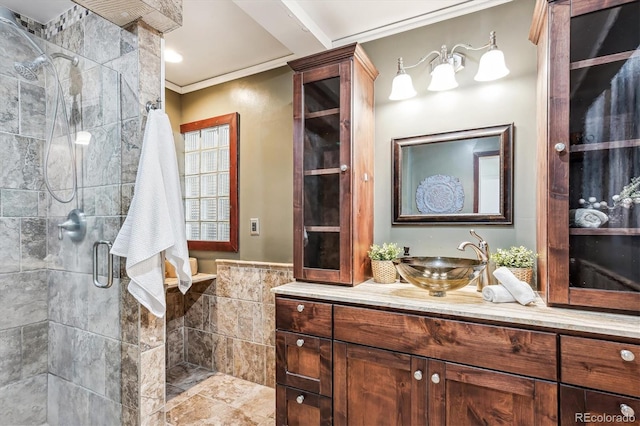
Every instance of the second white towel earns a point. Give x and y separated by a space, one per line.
497 294
520 290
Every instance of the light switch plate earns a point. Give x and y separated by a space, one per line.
254 226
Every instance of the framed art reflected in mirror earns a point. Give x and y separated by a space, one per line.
459 177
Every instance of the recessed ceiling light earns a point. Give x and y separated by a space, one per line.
172 56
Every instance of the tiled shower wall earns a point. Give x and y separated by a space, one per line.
103 353
106 353
23 224
228 324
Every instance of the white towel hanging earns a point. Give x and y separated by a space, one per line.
155 221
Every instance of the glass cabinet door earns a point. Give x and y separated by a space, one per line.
604 149
321 158
322 186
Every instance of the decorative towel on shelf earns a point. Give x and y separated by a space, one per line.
520 290
155 221
497 294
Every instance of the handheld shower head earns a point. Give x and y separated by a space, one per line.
28 69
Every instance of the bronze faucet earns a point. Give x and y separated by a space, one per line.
482 252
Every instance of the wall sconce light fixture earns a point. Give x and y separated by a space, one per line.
445 65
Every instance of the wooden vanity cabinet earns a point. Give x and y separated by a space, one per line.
416 382
395 368
375 386
588 151
333 131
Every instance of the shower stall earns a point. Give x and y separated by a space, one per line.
68 349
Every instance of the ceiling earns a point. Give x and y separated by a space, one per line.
222 40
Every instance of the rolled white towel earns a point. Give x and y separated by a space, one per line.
497 294
520 290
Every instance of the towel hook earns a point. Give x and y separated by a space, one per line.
153 105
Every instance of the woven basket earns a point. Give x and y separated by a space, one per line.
384 271
523 274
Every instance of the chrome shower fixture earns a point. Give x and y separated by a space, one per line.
28 69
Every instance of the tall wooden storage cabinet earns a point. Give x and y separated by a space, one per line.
589 152
333 134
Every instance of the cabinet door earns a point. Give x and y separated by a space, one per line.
299 408
460 395
322 174
377 387
580 406
594 154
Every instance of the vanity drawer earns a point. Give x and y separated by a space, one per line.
600 364
304 362
530 353
299 408
580 406
304 317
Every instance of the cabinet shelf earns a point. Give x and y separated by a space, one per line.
631 143
604 231
316 172
585 63
323 113
322 228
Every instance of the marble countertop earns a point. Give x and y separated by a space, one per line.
468 303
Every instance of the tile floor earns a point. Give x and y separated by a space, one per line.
196 396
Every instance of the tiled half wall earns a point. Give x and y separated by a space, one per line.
228 324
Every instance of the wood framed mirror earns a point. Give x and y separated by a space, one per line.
459 177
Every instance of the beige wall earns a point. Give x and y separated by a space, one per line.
264 104
471 105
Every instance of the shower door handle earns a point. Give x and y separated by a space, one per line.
96 282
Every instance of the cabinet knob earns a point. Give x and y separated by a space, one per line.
300 308
627 411
627 355
417 375
300 342
435 378
344 168
559 147
300 399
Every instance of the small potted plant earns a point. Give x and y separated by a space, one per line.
519 260
384 271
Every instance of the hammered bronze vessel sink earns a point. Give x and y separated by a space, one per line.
438 274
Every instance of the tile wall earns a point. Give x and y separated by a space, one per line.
228 324
71 353
23 224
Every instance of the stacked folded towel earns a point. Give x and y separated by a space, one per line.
510 289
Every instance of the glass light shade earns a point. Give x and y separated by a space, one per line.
83 138
402 87
492 66
443 77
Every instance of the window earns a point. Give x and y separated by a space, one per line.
211 182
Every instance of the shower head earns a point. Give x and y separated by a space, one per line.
28 69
